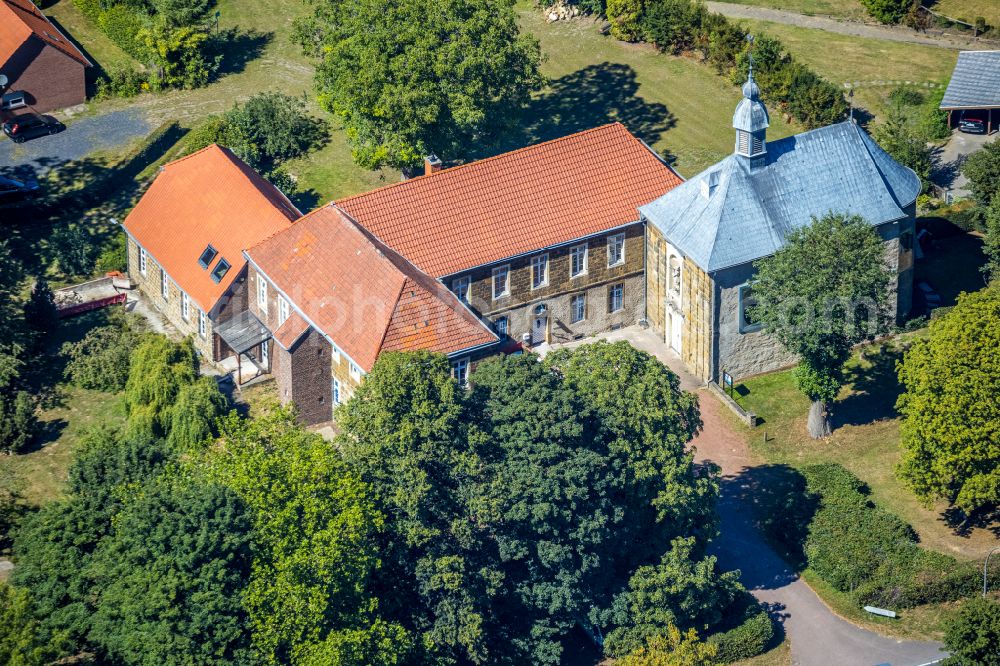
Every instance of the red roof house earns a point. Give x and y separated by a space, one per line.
38 59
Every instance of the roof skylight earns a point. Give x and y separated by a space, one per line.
207 256
220 270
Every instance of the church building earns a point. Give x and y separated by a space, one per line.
703 236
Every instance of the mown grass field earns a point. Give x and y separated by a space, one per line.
873 63
964 10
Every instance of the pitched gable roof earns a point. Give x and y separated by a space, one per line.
361 294
975 82
21 20
210 197
747 216
521 201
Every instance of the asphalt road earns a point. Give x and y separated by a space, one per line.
948 172
80 138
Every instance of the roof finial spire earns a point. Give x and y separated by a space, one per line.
750 89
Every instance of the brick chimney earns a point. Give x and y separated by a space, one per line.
432 164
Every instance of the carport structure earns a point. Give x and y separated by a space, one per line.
975 85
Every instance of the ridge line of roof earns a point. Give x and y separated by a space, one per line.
453 169
388 321
78 56
885 183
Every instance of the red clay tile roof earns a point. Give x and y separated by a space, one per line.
20 20
289 333
521 201
360 293
210 197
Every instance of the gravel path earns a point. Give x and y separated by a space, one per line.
80 138
872 31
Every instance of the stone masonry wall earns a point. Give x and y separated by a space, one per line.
697 333
149 286
519 305
303 377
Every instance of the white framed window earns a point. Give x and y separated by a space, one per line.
460 371
616 297
577 308
335 390
185 307
336 354
262 294
460 286
616 249
539 271
142 261
265 353
355 372
578 260
501 281
164 285
282 310
501 325
202 324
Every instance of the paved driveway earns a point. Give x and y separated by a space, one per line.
80 138
817 636
947 173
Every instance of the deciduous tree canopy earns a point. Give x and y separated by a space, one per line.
414 77
823 292
951 405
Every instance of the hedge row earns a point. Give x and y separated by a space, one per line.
745 633
674 26
823 517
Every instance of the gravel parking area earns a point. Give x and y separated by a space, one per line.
79 139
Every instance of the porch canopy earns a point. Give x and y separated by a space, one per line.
243 332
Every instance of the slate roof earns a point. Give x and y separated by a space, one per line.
518 202
975 83
21 20
361 294
751 114
210 197
749 213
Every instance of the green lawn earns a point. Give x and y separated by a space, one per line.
874 64
99 49
865 441
968 10
851 9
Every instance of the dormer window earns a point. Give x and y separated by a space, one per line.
205 260
220 270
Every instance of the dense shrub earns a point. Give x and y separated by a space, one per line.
625 17
17 422
673 25
73 249
824 518
888 11
100 361
746 631
932 122
113 257
121 81
124 27
973 636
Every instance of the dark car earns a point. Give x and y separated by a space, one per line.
972 122
12 190
30 125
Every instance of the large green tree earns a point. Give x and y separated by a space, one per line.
973 636
903 144
951 405
982 168
414 77
169 579
21 639
823 292
506 506
313 532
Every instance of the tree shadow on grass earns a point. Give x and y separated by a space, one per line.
237 48
963 524
589 97
876 389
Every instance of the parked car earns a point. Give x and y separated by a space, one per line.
932 299
972 122
31 125
12 190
